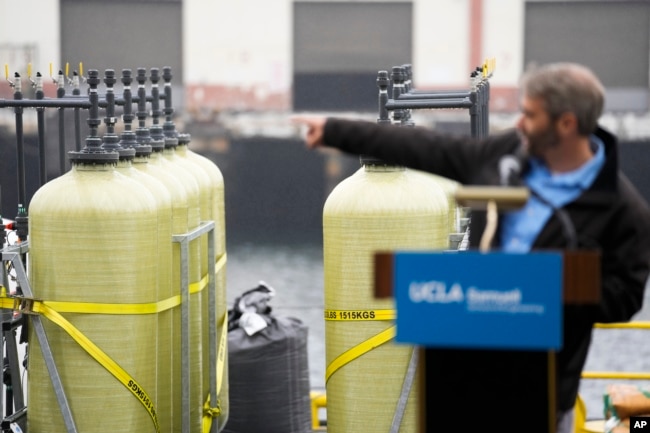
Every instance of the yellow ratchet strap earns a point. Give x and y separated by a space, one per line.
51 310
210 412
366 346
144 308
101 357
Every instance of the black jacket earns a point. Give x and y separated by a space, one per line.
610 216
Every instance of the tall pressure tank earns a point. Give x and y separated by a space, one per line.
127 166
211 203
198 300
93 240
379 208
185 220
135 150
215 212
171 163
148 161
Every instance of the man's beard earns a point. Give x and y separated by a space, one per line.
536 144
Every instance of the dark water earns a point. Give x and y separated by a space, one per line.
295 270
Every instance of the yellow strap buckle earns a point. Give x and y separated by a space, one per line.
25 305
209 413
212 412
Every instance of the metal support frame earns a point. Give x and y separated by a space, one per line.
184 240
405 98
9 328
14 255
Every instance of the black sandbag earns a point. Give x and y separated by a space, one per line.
269 378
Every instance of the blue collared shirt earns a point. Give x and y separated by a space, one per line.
519 229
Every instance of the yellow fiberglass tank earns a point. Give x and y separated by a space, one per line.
209 199
145 161
164 160
93 243
215 212
380 208
134 163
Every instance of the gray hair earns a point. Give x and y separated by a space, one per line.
567 88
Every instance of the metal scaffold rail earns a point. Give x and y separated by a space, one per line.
405 98
184 241
24 304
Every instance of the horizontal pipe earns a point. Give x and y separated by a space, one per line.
118 101
46 103
66 102
432 95
428 103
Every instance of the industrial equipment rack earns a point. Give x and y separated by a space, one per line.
23 304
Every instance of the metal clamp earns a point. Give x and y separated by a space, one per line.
25 305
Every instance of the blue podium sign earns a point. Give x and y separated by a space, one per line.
479 300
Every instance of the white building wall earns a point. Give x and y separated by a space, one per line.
441 43
30 23
503 39
245 46
238 43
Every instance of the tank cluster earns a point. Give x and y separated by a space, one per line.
384 207
125 260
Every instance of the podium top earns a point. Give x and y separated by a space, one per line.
581 274
506 198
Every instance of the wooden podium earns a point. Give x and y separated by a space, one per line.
474 386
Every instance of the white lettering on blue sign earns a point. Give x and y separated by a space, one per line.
493 296
435 292
505 301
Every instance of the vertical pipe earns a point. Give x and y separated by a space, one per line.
169 128
406 87
474 123
486 107
60 93
111 141
477 84
142 132
93 116
77 121
397 79
382 84
156 130
40 118
408 77
20 155
128 136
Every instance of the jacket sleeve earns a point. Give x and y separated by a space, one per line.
454 157
626 263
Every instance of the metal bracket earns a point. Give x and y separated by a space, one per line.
13 255
25 305
184 239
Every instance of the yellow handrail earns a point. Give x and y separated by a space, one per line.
624 325
632 375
